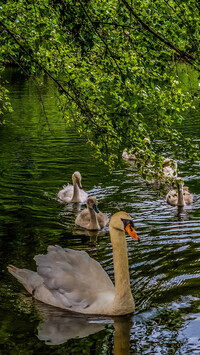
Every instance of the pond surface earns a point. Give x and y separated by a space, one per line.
37 157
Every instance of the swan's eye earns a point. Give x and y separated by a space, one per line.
127 222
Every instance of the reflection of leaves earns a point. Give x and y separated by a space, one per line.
170 318
4 103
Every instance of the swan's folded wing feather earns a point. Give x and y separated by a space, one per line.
172 197
102 219
83 219
66 192
83 195
187 197
72 276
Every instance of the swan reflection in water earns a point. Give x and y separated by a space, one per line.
93 235
58 326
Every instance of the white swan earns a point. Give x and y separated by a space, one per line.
73 193
91 218
72 280
181 198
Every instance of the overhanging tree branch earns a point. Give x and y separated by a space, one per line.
188 57
85 110
90 117
39 65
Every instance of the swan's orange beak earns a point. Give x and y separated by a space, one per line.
131 231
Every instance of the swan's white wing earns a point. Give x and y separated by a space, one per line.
30 279
172 197
188 198
73 277
83 195
66 193
102 219
83 219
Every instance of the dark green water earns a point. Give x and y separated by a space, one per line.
36 158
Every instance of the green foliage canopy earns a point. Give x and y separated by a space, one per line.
115 65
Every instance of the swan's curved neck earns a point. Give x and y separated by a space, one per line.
123 296
76 193
93 219
181 201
